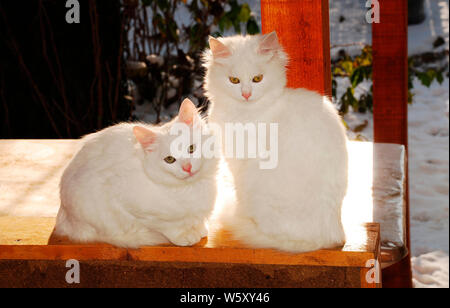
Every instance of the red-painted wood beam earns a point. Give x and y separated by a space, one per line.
390 73
390 96
303 29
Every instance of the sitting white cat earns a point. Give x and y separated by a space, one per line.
295 206
126 188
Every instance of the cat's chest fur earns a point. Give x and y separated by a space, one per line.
267 110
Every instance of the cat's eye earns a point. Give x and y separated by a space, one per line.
191 149
170 159
257 78
234 80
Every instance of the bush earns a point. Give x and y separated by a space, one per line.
427 67
164 53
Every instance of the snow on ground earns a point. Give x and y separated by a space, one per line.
429 184
431 270
348 25
422 36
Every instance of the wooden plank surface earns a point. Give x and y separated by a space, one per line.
220 247
303 29
25 238
30 171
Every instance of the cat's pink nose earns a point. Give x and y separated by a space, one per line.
187 167
246 95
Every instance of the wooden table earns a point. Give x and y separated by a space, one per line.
29 176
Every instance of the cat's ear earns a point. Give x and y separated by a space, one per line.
218 49
188 113
145 137
269 44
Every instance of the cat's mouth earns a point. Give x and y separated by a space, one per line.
190 175
249 101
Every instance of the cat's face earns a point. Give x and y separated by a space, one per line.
245 69
166 166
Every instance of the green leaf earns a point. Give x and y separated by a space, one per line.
244 14
347 99
237 26
440 77
347 66
225 23
163 4
410 97
173 29
158 21
357 77
193 34
252 27
424 78
334 88
345 124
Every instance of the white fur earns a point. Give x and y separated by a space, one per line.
297 206
115 191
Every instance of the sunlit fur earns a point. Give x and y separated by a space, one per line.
297 206
117 192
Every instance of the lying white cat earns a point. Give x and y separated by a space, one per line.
297 205
126 188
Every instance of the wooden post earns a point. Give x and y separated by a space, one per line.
303 29
390 95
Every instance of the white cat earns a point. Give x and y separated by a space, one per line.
297 205
126 188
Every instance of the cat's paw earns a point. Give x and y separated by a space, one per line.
187 238
202 230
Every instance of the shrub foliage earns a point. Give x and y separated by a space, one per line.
427 68
168 50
